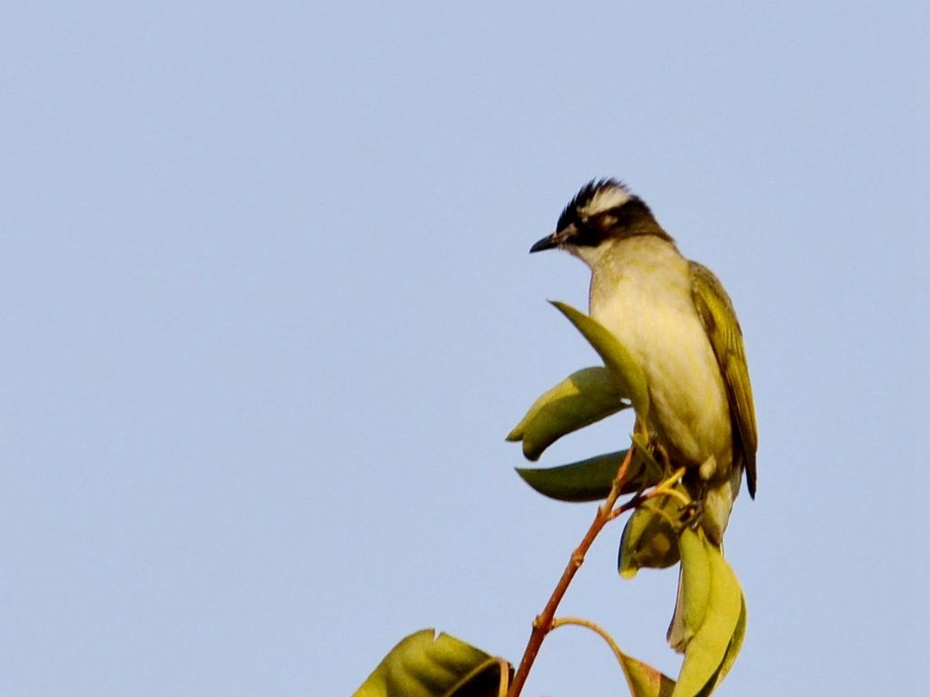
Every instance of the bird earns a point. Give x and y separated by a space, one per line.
678 324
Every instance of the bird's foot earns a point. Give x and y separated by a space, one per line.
691 514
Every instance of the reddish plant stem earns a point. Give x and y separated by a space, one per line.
542 625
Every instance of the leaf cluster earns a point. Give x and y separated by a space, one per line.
709 621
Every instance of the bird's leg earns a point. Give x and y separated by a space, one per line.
694 511
654 449
661 456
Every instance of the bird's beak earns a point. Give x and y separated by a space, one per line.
556 239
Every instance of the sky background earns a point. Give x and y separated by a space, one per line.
267 315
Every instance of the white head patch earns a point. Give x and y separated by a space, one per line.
611 195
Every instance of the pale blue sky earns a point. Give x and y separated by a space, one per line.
268 314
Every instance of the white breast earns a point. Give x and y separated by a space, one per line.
641 291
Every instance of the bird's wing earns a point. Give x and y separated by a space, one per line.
716 312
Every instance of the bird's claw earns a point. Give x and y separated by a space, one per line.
691 514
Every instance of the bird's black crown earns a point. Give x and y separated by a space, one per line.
587 194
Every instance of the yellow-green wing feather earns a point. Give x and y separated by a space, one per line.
716 312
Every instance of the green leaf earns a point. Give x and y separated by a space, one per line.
580 400
650 537
626 374
644 680
587 480
591 479
707 656
694 584
736 643
425 664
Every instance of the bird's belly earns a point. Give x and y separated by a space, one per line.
689 409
